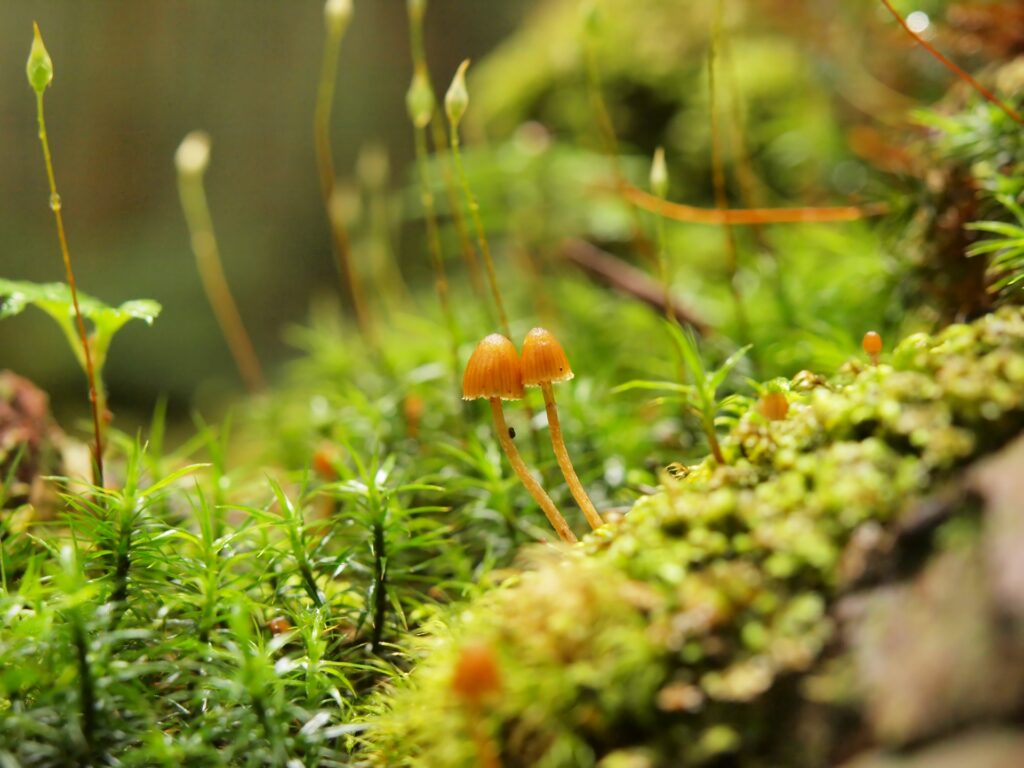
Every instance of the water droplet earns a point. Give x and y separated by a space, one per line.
918 21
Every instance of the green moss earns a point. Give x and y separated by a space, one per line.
685 631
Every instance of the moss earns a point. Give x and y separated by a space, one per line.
700 624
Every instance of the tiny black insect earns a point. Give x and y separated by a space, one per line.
512 432
677 470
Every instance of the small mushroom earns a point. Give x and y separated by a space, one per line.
279 625
476 675
544 362
476 679
872 344
494 372
773 405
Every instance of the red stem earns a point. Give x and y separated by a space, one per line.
991 97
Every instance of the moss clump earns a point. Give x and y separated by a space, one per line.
699 626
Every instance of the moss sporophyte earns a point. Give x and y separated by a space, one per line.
191 161
39 70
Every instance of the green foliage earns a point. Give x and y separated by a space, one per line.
293 584
981 136
1005 250
700 396
55 300
259 625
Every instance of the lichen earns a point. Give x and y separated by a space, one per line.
701 623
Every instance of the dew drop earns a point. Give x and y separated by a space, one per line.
918 21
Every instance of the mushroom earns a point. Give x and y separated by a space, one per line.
476 675
476 679
773 405
544 362
872 344
494 372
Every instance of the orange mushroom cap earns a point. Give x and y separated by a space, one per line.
773 406
872 343
476 673
544 359
493 370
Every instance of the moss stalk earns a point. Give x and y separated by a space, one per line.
96 400
326 171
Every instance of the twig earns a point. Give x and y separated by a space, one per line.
629 280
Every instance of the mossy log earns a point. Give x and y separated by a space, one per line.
847 587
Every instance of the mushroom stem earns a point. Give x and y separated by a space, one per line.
486 751
564 463
550 511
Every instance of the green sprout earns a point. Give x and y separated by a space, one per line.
56 300
700 395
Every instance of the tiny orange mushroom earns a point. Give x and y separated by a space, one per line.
279 625
476 675
544 362
872 344
774 406
494 372
476 679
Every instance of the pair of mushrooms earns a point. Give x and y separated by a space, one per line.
495 372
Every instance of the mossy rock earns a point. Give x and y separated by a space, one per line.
743 615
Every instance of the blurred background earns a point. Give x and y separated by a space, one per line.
131 79
816 96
